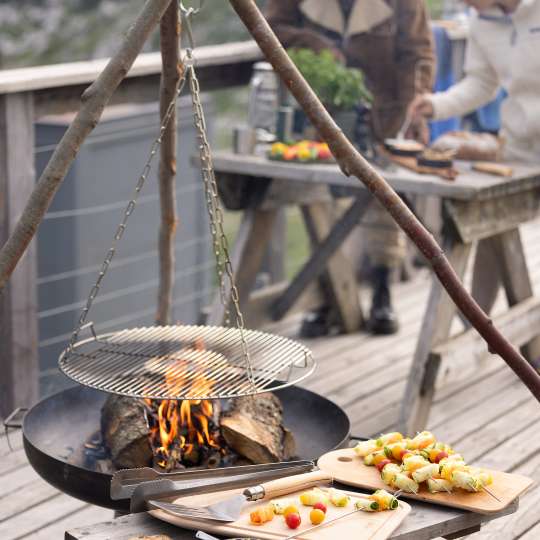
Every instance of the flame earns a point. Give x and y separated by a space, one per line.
182 427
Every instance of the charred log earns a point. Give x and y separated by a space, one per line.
253 427
125 432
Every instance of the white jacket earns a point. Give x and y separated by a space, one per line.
502 51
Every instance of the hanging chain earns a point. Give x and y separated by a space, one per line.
224 268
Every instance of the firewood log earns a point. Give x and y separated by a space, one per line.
125 432
253 427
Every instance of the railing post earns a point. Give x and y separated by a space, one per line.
19 369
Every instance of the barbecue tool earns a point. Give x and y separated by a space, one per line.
230 509
125 481
161 489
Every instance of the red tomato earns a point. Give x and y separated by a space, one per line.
439 456
320 506
293 520
381 465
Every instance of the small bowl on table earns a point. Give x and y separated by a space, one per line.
404 147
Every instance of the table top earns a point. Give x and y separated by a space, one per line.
467 186
423 523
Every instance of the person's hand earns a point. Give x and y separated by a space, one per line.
420 107
418 130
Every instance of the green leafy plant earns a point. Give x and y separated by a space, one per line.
337 86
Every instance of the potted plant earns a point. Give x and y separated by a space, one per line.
341 89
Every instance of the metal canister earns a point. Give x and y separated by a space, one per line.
263 98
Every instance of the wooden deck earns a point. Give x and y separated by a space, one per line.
483 410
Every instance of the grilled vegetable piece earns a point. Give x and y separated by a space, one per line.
437 485
338 498
389 438
385 500
484 477
389 472
279 506
422 440
315 495
374 457
448 466
467 481
396 450
405 483
364 448
262 515
413 462
366 505
422 474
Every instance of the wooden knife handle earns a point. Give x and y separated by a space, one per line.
283 486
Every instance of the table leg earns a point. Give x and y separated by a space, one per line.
247 255
322 254
464 532
515 278
339 282
436 326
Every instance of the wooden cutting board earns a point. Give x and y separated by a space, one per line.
360 526
346 467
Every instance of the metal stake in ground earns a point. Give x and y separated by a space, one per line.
353 164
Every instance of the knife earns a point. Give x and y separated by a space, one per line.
230 509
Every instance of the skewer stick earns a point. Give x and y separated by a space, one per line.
489 492
442 485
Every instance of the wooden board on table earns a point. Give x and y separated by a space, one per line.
361 525
346 467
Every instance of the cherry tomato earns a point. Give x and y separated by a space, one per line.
317 516
291 509
404 453
381 465
320 506
293 520
439 456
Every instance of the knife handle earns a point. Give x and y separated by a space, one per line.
283 486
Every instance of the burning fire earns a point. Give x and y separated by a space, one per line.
183 432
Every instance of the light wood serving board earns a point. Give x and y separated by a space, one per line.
346 467
360 526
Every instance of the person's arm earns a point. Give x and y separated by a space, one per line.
478 87
285 18
415 57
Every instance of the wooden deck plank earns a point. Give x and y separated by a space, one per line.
28 522
88 515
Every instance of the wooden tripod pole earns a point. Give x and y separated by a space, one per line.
170 29
352 163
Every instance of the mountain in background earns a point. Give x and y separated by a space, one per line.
36 32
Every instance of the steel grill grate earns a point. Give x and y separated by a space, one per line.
186 362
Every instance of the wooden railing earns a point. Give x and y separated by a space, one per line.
29 94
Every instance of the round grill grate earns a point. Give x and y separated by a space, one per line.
186 362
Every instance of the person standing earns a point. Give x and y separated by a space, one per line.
502 51
390 41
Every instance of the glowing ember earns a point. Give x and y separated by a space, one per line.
185 432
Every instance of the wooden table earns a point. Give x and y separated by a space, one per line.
475 206
424 522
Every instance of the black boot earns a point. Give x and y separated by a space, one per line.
318 323
382 318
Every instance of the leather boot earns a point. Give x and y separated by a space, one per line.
382 318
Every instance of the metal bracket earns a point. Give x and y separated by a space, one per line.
14 421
